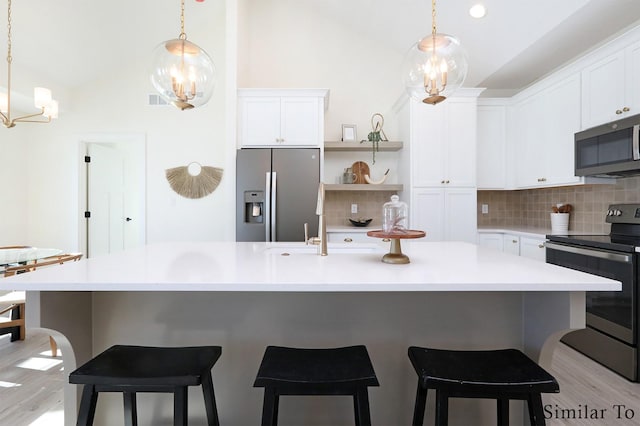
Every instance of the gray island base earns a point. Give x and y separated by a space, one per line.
245 296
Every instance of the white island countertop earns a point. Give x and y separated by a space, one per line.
250 267
245 296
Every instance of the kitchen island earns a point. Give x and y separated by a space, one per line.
245 296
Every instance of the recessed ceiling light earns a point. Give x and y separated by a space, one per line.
478 11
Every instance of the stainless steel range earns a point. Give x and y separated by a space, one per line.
611 336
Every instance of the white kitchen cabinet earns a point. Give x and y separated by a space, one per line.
445 214
533 248
610 87
519 244
443 143
511 244
490 240
491 156
280 118
356 237
545 123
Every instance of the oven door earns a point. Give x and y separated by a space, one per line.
611 312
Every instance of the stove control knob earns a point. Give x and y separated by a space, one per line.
617 212
609 212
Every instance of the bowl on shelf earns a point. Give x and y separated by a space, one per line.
360 222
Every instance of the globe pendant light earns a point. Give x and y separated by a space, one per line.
183 73
435 66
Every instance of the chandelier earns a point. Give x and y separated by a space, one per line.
42 97
435 66
182 73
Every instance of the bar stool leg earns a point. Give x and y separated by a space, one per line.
87 406
270 407
442 408
180 406
210 400
130 409
536 414
361 407
418 410
503 411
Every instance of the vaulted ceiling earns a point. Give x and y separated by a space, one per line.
518 41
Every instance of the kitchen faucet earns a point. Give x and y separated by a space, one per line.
321 239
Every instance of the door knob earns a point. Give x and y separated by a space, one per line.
128 219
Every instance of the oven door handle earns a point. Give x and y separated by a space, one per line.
635 140
616 257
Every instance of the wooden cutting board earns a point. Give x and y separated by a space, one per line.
359 169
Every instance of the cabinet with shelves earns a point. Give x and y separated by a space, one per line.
617 73
530 246
545 124
445 214
443 167
492 144
281 118
443 143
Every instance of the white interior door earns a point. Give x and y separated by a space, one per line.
105 181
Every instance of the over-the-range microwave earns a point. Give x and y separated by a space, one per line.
611 149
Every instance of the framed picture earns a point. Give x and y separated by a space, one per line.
348 133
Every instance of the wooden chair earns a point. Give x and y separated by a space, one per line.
14 301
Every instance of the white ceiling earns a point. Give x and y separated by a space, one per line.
515 44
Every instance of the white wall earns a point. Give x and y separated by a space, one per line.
292 43
13 175
42 207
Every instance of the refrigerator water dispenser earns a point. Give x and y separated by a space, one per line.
253 206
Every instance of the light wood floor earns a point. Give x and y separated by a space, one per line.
31 388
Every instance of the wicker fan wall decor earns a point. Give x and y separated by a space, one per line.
193 180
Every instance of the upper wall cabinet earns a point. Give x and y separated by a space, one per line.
545 124
611 88
281 118
492 145
443 143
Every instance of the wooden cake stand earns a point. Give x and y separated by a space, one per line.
395 255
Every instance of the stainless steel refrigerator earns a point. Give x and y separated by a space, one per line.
276 193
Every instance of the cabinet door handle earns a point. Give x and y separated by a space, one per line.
514 241
625 109
542 179
386 240
540 245
446 181
348 240
441 181
618 111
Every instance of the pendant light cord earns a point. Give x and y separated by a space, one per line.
183 35
433 18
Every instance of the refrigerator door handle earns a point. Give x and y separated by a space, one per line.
274 209
267 208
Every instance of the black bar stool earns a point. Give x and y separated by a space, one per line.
337 371
132 369
495 374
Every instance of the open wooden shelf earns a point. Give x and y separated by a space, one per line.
362 146
362 187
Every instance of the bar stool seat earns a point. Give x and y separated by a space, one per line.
132 369
503 375
335 371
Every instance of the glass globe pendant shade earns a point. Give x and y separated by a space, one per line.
182 73
434 68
